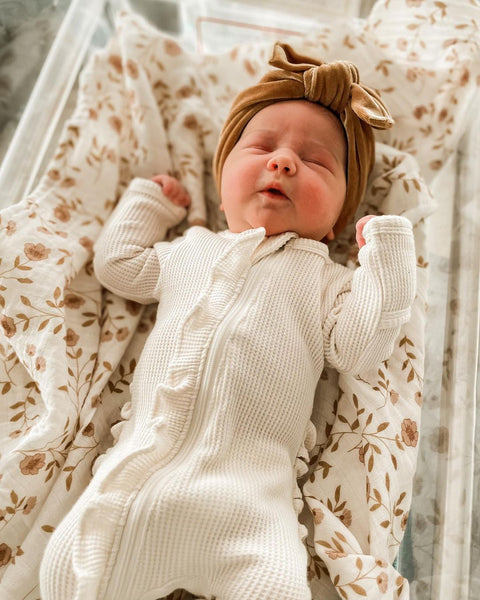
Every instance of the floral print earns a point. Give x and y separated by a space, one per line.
31 465
5 554
409 432
36 251
68 349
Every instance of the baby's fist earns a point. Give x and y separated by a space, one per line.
173 190
359 229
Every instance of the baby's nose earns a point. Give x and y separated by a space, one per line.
283 162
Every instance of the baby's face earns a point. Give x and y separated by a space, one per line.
287 172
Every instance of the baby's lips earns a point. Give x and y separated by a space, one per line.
275 190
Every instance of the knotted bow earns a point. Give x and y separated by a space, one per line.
334 85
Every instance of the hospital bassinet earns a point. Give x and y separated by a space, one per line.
439 553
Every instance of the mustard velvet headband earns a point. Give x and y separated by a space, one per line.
334 85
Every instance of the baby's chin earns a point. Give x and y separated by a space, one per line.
277 229
271 231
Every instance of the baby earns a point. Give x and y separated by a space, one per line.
197 493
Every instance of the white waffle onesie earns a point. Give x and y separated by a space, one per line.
197 493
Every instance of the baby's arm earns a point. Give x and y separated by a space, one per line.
364 323
126 261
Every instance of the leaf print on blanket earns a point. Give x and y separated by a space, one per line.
52 312
370 577
16 504
27 405
81 450
391 509
364 434
32 252
408 364
8 512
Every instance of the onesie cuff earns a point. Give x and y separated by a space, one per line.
149 189
393 319
389 255
387 224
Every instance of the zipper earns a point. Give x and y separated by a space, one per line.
199 419
214 354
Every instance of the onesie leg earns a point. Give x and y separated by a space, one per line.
285 582
57 580
265 569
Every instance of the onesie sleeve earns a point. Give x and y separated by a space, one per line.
125 260
362 326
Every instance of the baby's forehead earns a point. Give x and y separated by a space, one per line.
301 118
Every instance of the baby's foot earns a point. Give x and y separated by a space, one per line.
173 190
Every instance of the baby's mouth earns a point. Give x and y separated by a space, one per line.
275 192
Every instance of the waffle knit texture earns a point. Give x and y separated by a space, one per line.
197 493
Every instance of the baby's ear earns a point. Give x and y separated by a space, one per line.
221 207
330 235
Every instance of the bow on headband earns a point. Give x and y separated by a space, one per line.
334 85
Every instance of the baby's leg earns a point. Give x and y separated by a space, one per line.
274 566
285 582
57 579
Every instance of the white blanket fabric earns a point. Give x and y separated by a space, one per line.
68 348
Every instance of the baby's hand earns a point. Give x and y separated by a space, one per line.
359 229
173 190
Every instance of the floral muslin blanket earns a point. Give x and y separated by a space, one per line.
68 348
